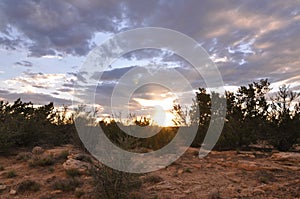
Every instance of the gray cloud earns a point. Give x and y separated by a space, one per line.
36 98
24 63
257 39
64 26
111 75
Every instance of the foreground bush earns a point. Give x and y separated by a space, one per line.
114 184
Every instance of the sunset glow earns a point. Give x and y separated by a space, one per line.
161 114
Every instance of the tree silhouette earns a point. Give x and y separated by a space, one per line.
285 118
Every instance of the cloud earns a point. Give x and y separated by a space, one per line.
24 63
36 98
247 40
31 80
63 26
39 86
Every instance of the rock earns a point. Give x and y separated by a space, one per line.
180 171
246 154
187 191
286 156
258 191
2 187
56 192
209 166
13 192
38 150
248 166
235 179
199 166
82 167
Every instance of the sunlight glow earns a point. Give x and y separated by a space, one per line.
161 114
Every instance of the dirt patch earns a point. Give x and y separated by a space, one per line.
225 174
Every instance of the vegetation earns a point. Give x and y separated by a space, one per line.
114 184
250 117
41 161
153 179
11 174
28 185
64 155
23 125
73 173
69 184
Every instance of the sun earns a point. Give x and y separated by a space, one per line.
161 114
162 117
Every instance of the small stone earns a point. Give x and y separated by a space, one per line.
180 171
56 192
199 166
235 179
209 166
13 192
187 191
258 191
248 166
82 167
2 187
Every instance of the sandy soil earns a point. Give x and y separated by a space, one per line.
226 174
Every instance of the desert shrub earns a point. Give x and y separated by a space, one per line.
115 184
64 155
78 193
83 158
28 185
37 150
51 169
23 125
265 177
1 167
73 172
153 179
67 185
11 174
41 161
187 170
161 139
24 156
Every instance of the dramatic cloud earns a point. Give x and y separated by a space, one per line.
37 87
247 40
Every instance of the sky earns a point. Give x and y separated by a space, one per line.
44 43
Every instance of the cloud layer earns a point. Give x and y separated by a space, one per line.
247 40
